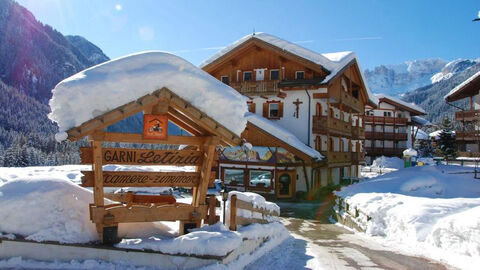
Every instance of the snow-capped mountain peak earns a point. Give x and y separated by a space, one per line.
452 68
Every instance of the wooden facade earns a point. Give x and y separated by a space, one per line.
268 74
389 128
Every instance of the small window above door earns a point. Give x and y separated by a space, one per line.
225 80
299 75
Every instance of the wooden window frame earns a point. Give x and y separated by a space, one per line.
251 76
296 74
270 74
266 109
225 76
233 168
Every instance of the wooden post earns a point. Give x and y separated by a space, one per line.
98 176
233 213
206 171
212 203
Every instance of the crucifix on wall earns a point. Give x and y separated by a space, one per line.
297 104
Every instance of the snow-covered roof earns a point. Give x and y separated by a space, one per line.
461 86
333 62
281 134
421 121
412 106
102 88
420 134
436 134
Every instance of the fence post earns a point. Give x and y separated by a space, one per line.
233 213
212 201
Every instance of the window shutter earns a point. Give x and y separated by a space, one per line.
280 109
253 107
265 110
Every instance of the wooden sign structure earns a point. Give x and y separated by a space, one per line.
159 107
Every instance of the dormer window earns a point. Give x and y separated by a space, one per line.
274 74
299 75
225 80
247 76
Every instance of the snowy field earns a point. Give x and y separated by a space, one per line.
431 210
47 204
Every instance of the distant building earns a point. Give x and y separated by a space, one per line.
304 104
468 135
389 127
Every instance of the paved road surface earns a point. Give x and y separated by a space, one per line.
318 244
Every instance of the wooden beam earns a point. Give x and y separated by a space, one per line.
206 171
138 138
98 173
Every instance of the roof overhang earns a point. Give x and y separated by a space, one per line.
464 90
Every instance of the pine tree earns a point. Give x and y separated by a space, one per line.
446 142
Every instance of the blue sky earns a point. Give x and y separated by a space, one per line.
379 31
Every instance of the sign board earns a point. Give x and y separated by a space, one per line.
144 156
143 179
155 127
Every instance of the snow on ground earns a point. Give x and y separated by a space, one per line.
47 204
106 86
436 208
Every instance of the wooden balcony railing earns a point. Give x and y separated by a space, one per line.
256 87
473 115
322 124
385 120
471 135
379 151
369 135
358 132
338 157
358 157
347 100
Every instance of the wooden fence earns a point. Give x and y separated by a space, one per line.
236 220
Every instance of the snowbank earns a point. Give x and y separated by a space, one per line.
258 201
410 152
282 134
388 162
436 208
104 87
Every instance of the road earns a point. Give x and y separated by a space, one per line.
318 244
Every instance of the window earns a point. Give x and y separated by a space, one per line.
369 113
260 178
251 106
225 80
233 177
273 109
247 76
274 74
387 114
400 115
299 75
355 93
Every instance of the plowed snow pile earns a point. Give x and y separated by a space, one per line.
432 208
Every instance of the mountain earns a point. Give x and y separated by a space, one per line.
400 78
430 97
93 54
34 57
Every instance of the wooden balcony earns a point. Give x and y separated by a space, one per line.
467 116
358 133
323 124
256 87
382 120
390 136
338 158
463 135
358 158
389 152
347 100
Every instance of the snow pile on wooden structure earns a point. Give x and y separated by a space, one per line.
109 85
435 209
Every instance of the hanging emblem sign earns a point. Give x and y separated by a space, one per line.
155 127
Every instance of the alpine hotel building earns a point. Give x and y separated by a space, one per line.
306 122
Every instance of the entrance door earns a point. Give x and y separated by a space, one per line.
285 184
260 74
